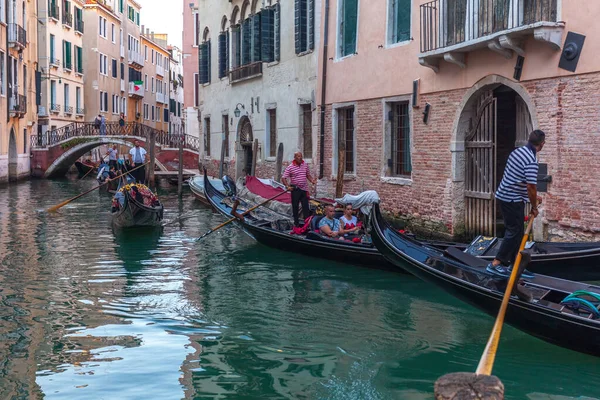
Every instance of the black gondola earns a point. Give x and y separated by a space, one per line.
133 212
83 168
277 234
574 324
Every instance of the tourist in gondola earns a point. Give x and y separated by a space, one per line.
137 157
296 177
329 225
349 224
518 186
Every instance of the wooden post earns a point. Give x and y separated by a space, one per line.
222 164
339 186
150 172
279 162
254 157
180 170
467 386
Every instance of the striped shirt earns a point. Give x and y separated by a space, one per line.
521 169
298 175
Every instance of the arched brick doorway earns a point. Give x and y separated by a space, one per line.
245 140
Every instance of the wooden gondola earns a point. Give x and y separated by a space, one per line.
276 233
83 168
196 184
133 213
543 312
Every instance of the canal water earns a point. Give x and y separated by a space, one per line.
86 313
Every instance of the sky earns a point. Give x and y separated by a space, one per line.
163 16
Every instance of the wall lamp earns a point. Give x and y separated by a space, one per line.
237 111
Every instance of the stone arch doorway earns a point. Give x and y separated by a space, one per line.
496 117
13 159
244 153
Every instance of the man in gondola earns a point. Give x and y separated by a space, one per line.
518 186
138 156
295 178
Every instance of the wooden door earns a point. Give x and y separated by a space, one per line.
480 163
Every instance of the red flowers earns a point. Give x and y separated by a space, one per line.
526 218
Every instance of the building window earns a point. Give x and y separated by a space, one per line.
124 106
306 116
66 97
304 25
226 133
345 135
115 104
112 33
114 68
223 53
347 27
102 26
67 56
145 111
270 32
196 29
152 85
103 101
121 6
103 64
399 157
2 73
399 21
272 115
157 114
78 100
79 59
145 81
204 59
53 103
196 94
207 136
152 113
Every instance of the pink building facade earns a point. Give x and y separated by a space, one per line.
190 42
429 98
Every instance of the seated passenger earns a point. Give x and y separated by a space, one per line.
329 225
349 223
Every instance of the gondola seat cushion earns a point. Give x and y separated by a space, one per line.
314 224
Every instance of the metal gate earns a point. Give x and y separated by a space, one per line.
480 163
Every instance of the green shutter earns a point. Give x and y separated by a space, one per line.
311 24
300 25
235 46
277 32
222 54
204 55
268 32
403 13
350 14
246 42
256 38
64 54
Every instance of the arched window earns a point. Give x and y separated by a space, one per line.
236 38
204 57
223 48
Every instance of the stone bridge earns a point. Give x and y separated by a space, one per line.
54 152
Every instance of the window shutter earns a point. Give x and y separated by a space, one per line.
311 24
350 22
203 52
298 26
402 16
222 54
226 52
64 54
277 32
256 37
246 42
267 27
208 76
235 47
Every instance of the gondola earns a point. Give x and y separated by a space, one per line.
276 233
558 311
82 168
197 187
129 212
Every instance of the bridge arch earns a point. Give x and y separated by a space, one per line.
61 165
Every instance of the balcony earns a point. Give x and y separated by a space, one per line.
53 12
17 36
162 98
122 51
451 28
245 72
136 59
80 111
17 106
68 110
122 85
136 91
54 62
160 70
54 108
67 19
79 26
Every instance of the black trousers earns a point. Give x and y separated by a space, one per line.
513 215
299 196
112 163
140 173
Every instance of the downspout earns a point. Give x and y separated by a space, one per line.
323 90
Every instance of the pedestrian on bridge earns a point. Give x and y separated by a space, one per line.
138 156
102 125
122 123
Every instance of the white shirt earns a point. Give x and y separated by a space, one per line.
142 154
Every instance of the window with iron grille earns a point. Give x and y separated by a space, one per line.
207 136
307 130
226 133
400 158
304 25
345 123
272 133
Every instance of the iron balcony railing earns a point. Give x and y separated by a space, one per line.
54 61
67 19
79 25
17 105
446 23
68 109
80 111
54 107
53 11
245 71
17 36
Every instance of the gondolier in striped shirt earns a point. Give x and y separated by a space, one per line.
296 177
518 186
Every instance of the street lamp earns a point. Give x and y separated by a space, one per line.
237 111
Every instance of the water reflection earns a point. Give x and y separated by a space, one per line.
86 312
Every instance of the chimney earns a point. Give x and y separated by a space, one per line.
152 36
142 29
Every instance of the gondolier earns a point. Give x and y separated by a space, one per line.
137 157
295 178
113 156
517 187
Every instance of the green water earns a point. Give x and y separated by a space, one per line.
89 314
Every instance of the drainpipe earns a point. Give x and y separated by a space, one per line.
323 90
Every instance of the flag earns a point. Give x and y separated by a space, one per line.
137 85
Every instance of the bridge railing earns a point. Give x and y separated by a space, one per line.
87 129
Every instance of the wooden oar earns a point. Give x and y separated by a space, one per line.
242 215
64 203
489 354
